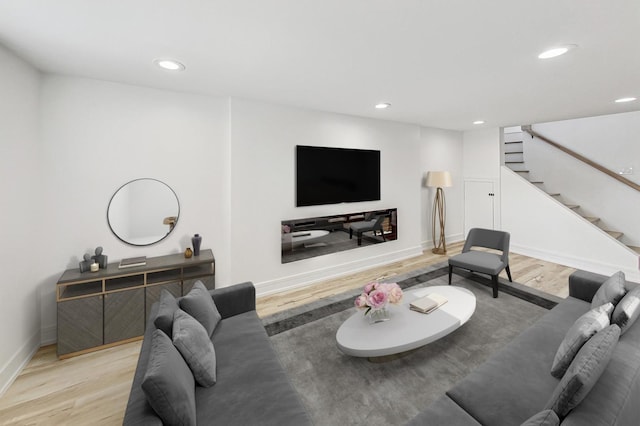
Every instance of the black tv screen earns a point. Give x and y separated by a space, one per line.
336 175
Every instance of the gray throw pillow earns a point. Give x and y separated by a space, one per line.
612 290
168 383
581 331
191 339
167 306
584 371
543 418
199 304
627 310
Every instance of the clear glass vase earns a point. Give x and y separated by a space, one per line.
378 315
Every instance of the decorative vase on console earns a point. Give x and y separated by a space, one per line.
196 240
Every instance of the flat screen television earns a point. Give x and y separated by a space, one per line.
336 175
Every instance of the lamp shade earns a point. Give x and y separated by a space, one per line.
439 180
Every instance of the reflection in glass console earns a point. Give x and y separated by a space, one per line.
317 236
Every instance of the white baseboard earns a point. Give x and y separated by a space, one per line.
578 263
291 282
450 239
18 361
48 335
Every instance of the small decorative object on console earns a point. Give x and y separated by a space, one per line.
196 240
85 265
95 267
188 253
133 261
375 298
99 258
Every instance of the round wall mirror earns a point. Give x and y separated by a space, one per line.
143 212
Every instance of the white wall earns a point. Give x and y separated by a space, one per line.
264 137
96 136
22 252
609 140
542 228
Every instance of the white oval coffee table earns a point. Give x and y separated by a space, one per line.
406 330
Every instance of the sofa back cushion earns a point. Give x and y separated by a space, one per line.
167 306
193 343
627 310
612 290
581 331
199 304
168 383
584 371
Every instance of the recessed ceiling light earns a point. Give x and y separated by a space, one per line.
383 105
556 51
622 100
478 122
169 64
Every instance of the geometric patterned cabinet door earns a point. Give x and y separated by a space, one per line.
79 324
123 315
187 285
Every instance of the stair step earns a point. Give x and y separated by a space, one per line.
572 206
514 162
592 219
507 143
521 171
536 182
515 152
553 194
614 234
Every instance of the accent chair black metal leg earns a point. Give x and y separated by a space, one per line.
509 273
350 233
494 281
450 270
359 238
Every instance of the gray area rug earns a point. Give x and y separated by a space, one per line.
342 390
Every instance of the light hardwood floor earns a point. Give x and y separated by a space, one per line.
94 388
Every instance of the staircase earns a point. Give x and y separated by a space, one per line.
515 160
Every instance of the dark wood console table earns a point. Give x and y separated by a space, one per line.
97 310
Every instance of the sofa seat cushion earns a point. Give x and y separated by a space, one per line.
443 412
252 387
514 383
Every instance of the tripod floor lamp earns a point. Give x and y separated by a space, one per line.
439 180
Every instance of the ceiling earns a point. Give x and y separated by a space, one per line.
440 63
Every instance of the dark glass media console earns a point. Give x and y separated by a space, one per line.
318 236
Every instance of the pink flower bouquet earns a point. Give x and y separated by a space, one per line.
376 296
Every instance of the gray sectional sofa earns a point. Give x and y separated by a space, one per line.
515 383
252 388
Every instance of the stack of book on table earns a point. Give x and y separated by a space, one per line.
428 303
